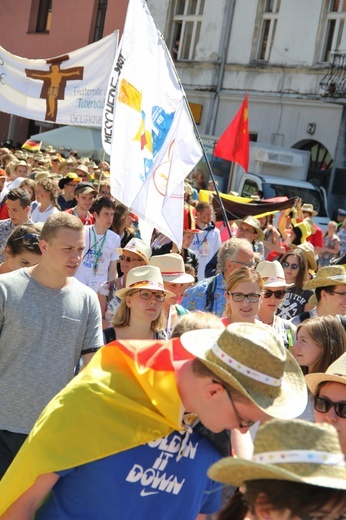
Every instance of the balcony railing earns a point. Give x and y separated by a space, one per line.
334 83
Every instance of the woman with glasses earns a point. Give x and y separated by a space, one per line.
274 291
329 390
139 315
296 301
134 254
319 342
22 248
243 296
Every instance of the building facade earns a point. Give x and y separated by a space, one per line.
289 55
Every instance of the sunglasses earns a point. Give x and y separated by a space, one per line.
267 293
148 295
241 423
239 297
29 239
105 192
124 258
343 294
285 265
323 405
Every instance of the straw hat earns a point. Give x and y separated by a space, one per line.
254 223
326 276
309 254
295 450
308 208
138 246
252 359
272 274
335 373
143 277
172 268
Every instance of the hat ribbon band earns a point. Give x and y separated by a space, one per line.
309 456
169 274
274 279
243 369
145 283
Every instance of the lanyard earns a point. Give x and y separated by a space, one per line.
97 252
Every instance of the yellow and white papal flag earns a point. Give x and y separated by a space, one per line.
147 128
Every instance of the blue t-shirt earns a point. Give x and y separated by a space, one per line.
150 481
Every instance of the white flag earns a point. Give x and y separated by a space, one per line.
69 89
147 128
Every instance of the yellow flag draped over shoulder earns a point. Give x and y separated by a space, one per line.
125 397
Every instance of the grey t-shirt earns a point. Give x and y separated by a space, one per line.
42 334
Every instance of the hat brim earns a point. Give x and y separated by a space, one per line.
312 213
327 282
236 472
85 190
184 278
260 234
150 286
276 284
314 380
120 251
293 383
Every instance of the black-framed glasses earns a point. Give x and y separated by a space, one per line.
148 295
323 405
339 293
294 267
251 265
29 239
241 423
322 515
128 259
239 297
267 293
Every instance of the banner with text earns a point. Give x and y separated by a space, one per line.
69 89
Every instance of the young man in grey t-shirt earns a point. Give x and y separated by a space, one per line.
47 321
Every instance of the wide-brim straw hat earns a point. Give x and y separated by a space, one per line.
272 274
327 276
172 268
143 277
309 253
308 208
292 450
252 359
138 246
254 223
335 373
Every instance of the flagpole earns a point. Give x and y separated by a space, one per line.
198 137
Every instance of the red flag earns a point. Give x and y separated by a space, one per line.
233 145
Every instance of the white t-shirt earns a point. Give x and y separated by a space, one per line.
41 216
99 252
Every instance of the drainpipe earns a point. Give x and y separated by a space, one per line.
223 49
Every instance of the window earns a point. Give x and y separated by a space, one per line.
335 26
269 22
44 17
100 20
187 21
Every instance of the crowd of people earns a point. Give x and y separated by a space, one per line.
136 377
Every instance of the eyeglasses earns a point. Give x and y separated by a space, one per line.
292 266
322 515
267 293
241 423
323 405
239 297
339 293
105 192
251 265
29 239
148 295
124 258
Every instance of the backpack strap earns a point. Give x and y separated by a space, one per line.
209 295
109 335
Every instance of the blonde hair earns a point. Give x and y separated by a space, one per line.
240 275
123 314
